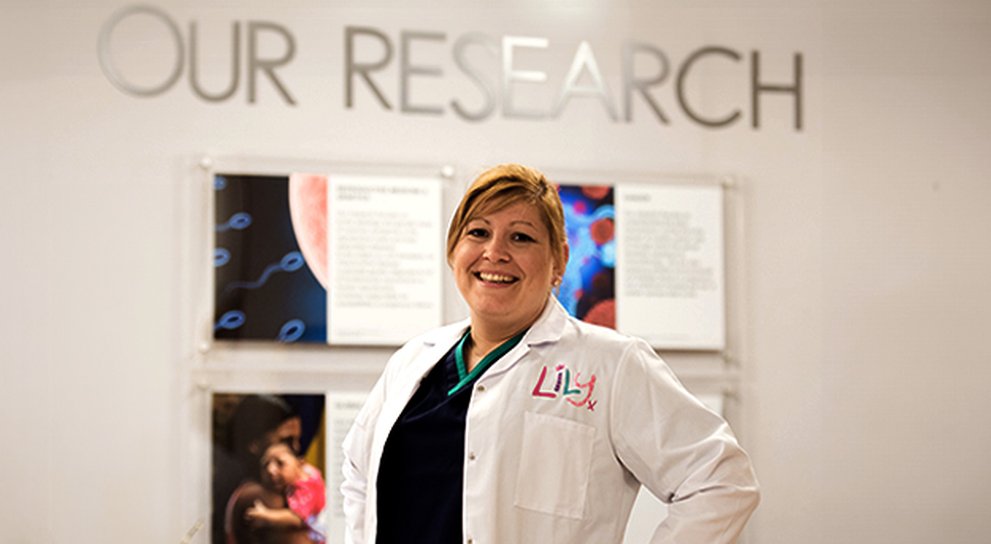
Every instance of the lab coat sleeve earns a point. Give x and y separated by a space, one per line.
681 451
357 450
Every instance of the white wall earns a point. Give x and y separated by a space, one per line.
865 301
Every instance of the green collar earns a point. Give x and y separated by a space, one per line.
463 375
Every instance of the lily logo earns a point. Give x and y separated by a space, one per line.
576 393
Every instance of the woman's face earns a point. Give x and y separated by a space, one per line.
504 266
288 431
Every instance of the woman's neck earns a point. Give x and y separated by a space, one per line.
486 336
484 341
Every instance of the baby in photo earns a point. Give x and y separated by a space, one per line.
304 490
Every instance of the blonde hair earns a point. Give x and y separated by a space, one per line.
502 186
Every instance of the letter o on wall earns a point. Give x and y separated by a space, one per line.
106 59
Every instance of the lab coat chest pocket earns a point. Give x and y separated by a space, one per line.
555 461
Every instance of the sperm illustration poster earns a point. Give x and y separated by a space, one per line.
264 287
588 288
338 258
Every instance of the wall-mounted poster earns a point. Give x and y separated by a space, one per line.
647 260
670 280
324 257
264 287
342 409
588 288
386 258
268 467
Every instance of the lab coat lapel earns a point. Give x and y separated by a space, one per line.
436 344
548 328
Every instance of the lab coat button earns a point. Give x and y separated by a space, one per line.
470 541
481 388
471 457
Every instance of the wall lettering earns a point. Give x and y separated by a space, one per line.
499 90
255 64
371 58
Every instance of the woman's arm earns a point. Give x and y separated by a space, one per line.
684 453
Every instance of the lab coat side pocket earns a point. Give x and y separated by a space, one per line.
555 461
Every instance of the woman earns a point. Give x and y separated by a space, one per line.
523 424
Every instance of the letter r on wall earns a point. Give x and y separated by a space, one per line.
351 68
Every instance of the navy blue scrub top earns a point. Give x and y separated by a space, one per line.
421 475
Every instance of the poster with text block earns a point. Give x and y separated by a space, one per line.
669 265
342 409
385 258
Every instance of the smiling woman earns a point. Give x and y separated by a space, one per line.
503 267
506 253
492 429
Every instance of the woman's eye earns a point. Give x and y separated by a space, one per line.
477 233
523 237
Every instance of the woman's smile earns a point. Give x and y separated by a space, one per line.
494 277
504 266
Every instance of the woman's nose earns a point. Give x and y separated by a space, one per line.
496 249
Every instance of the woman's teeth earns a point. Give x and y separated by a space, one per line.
495 278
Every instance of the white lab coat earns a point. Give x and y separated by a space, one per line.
560 434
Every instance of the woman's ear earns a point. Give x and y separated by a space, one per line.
562 260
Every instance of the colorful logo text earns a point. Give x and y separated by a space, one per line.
576 392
